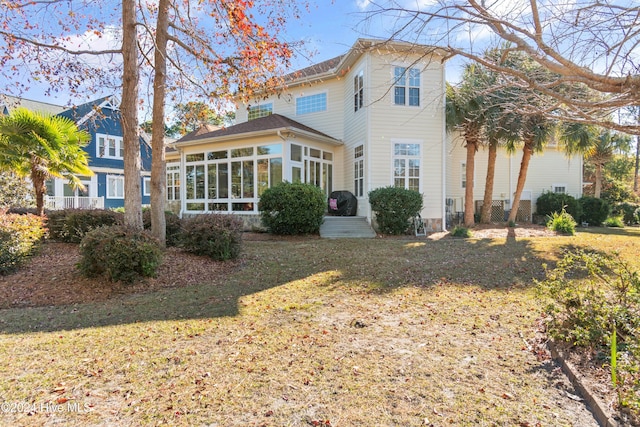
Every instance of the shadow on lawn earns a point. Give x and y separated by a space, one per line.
371 265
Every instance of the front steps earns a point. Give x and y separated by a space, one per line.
336 227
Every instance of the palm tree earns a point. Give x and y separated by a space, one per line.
466 113
41 147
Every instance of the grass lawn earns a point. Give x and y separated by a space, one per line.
314 332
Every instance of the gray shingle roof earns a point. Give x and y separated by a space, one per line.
270 122
12 102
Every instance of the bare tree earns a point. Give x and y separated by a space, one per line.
587 43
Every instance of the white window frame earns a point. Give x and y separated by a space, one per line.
554 188
408 158
404 80
307 96
104 152
146 186
358 170
173 189
358 91
110 178
261 110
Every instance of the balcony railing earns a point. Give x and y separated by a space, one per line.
71 202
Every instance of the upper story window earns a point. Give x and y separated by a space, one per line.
406 88
109 147
358 91
262 110
311 103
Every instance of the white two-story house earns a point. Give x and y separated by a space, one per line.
371 118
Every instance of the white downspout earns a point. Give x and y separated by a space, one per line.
444 151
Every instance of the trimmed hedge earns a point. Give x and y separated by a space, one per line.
292 208
19 237
594 211
119 253
549 203
173 225
395 208
215 235
70 225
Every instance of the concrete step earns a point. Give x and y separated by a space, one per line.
335 227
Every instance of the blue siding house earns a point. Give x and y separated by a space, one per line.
105 189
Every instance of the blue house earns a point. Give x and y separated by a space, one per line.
105 189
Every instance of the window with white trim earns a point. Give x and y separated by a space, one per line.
358 171
559 188
358 91
109 147
173 182
146 186
262 110
311 103
115 187
406 87
406 165
463 175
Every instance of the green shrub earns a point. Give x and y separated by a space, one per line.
562 222
594 211
460 231
629 211
292 208
120 253
218 236
395 208
550 202
70 225
591 295
173 225
613 221
19 237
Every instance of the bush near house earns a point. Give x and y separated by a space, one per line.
630 212
120 253
19 237
394 208
562 222
550 202
594 211
173 225
214 235
70 225
292 208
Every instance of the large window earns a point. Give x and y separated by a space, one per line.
109 147
358 91
231 180
115 187
173 182
261 110
406 88
311 103
406 165
358 171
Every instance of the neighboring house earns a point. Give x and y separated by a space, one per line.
105 189
371 118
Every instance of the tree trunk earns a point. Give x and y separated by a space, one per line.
527 152
469 209
485 217
635 176
129 112
158 165
39 188
598 188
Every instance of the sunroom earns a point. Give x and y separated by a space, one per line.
227 170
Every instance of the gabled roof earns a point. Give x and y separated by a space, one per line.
270 124
8 103
83 112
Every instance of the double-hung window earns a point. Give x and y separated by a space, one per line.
358 91
406 87
358 171
406 165
109 147
115 187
